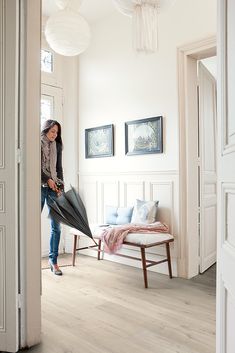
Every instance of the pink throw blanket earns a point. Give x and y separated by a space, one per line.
113 238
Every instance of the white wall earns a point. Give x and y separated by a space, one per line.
117 85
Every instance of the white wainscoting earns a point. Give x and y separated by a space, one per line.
122 189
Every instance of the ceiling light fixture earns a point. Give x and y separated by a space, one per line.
66 31
144 14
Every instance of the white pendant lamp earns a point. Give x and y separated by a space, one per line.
66 31
144 14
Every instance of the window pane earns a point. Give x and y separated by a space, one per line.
46 61
47 108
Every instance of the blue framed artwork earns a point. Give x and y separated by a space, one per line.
99 141
144 136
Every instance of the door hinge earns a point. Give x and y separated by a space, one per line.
18 155
19 301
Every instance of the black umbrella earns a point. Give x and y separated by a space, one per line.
70 210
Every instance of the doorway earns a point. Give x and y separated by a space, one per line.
207 165
51 108
188 57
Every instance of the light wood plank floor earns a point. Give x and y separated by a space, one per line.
102 307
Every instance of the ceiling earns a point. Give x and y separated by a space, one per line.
92 10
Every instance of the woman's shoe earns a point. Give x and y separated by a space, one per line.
56 270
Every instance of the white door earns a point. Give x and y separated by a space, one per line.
226 179
207 168
51 108
9 326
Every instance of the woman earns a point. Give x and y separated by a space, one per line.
52 181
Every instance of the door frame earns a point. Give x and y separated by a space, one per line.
58 98
188 55
29 174
208 177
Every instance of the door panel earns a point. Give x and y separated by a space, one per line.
9 326
226 179
207 148
230 72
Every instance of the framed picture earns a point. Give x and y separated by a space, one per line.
99 141
144 136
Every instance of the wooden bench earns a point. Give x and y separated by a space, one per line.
140 240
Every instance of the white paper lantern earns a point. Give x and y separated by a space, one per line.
70 4
67 33
75 4
61 4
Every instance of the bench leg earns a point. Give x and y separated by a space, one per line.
168 259
74 248
144 267
99 248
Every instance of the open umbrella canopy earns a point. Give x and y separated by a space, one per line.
70 210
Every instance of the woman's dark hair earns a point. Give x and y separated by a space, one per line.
48 125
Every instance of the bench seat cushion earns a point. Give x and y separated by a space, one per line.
147 238
135 238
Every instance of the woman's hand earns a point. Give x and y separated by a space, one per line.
59 192
52 184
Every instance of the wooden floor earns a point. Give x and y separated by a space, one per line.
102 307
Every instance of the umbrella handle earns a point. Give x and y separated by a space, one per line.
94 241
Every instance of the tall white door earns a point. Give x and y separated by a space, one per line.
226 179
51 108
207 168
9 327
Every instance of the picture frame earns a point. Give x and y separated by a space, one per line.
99 141
144 136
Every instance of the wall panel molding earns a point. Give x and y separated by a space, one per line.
109 195
128 189
228 192
2 279
228 77
122 189
91 199
137 172
2 197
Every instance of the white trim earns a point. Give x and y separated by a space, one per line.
227 146
29 202
2 197
2 83
187 65
2 279
137 172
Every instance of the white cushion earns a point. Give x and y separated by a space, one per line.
144 212
136 238
96 230
147 238
75 231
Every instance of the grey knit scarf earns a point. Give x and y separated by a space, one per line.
49 157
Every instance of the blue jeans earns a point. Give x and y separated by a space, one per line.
46 193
